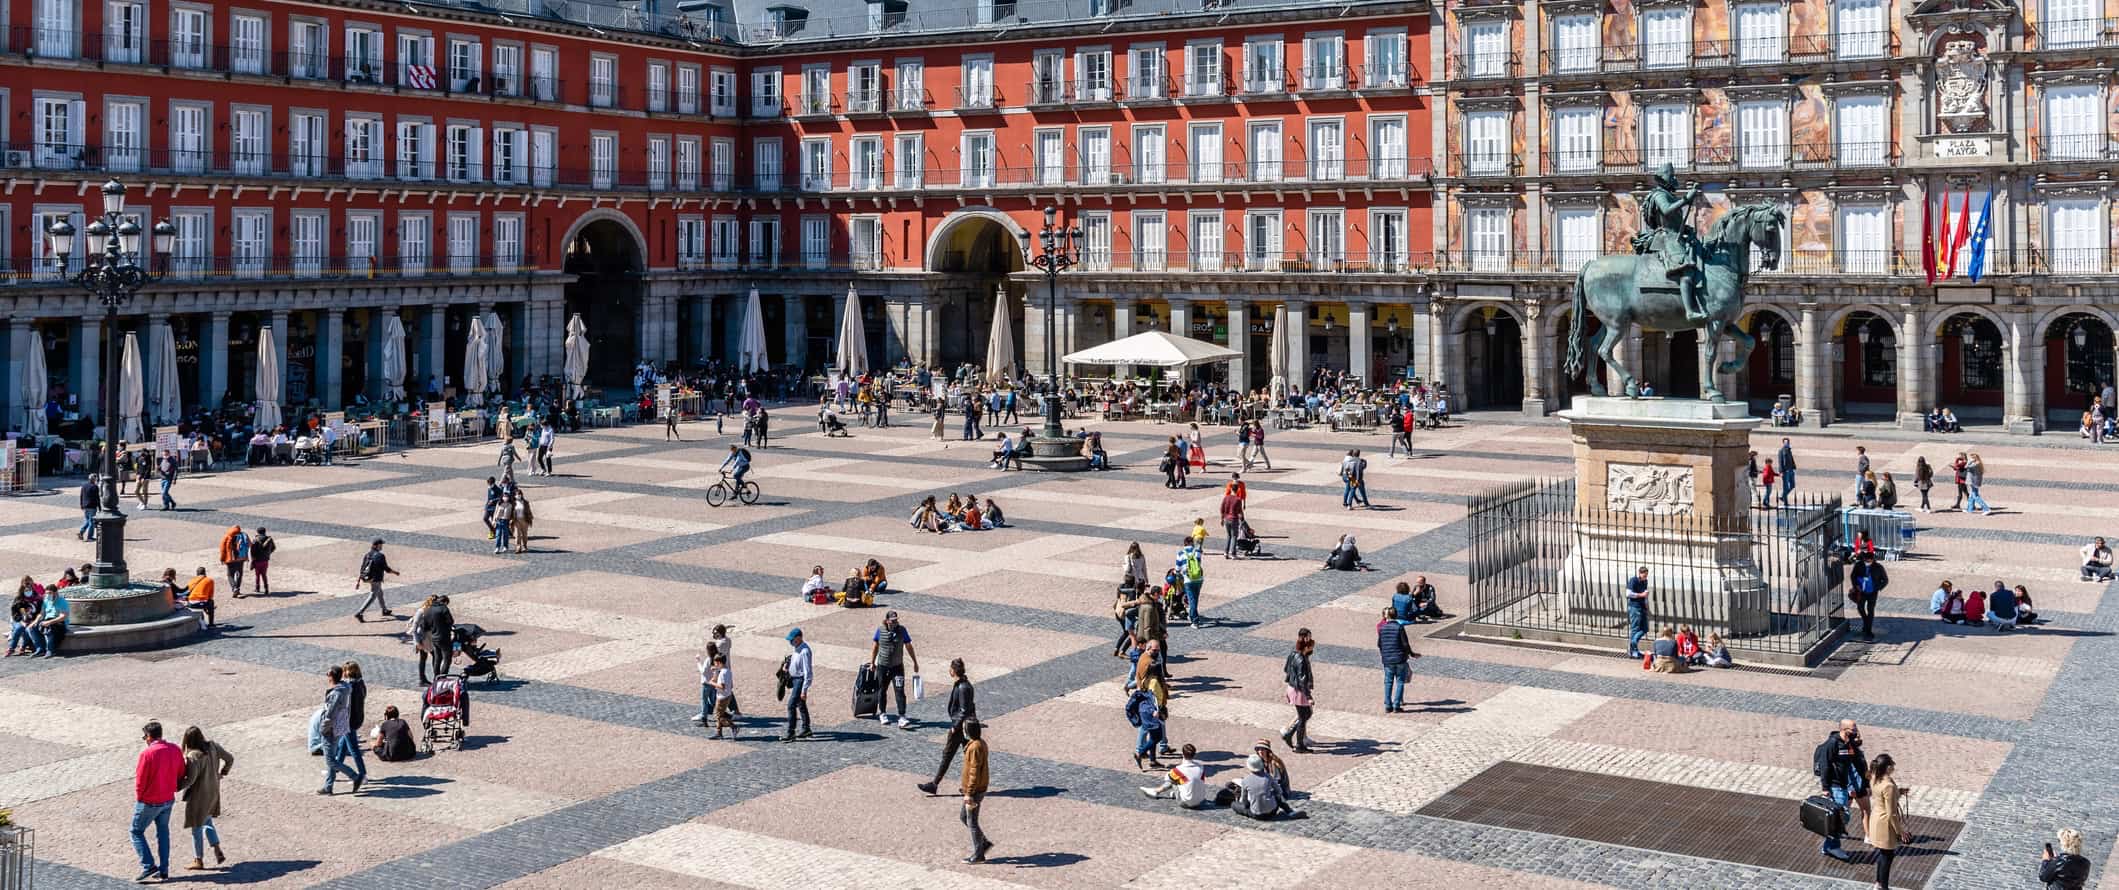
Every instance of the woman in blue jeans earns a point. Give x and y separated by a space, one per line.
1145 715
1975 473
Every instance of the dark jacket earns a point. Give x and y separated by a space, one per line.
374 565
1391 643
90 497
1786 459
2065 871
434 625
963 704
1838 764
1142 711
1296 671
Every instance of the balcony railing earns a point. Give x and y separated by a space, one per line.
977 99
910 100
1316 261
809 104
1485 65
1141 88
2059 35
1748 156
868 101
1790 49
1270 82
1485 163
1197 87
179 268
1382 77
2075 147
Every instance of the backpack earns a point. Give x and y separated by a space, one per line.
1194 571
368 565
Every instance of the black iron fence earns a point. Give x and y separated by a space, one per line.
1543 566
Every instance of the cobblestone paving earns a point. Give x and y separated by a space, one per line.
583 769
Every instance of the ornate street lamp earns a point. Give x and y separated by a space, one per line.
113 271
1060 250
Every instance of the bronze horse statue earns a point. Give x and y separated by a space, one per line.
1610 287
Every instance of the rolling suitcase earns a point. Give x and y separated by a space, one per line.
1823 817
867 693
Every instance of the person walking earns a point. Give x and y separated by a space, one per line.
155 776
1637 611
1396 650
963 714
168 472
1842 773
1192 568
434 635
143 466
493 494
1350 478
1867 581
1785 462
888 650
709 694
669 426
545 438
1258 444
204 765
1885 828
235 551
1923 479
339 740
721 688
973 785
374 565
1861 464
261 549
1231 521
1148 717
2067 869
508 457
90 500
1295 671
1957 472
799 675
1975 475
504 520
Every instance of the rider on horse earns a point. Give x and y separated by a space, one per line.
1666 235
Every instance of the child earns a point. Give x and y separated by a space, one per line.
724 698
1718 652
1975 607
1689 646
1199 532
1766 477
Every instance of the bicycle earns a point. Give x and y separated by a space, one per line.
720 492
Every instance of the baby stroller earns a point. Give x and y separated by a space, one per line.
484 662
445 711
1174 603
1247 542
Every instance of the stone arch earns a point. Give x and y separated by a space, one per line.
940 235
1458 320
2052 315
606 214
1790 316
1840 315
1942 316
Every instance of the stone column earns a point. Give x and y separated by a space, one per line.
331 359
700 333
1181 325
372 384
1914 380
1537 361
1813 372
280 338
1239 340
14 417
1429 331
1298 357
86 365
1359 339
213 361
2023 354
434 351
151 364
1122 309
796 330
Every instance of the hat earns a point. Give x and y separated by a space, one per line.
891 615
1255 763
791 635
1261 745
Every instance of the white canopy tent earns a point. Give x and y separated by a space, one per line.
475 354
496 352
1156 349
1279 348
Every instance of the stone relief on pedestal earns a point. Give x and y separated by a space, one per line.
1641 488
1961 86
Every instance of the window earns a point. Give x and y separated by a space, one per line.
124 32
816 90
1387 239
1206 153
909 90
1385 56
726 247
1149 153
1262 151
1666 37
467 153
764 242
55 30
2071 24
1486 145
464 73
688 164
1206 241
1577 133
865 241
1050 155
864 88
816 164
1324 62
2074 121
251 251
1576 43
658 162
122 146
305 144
306 49
248 154
364 55
60 132
2076 231
544 153
603 81
1327 150
193 252
1096 240
1863 238
816 241
1666 136
909 160
1486 53
603 160
308 242
1093 69
363 233
544 74
1858 28
1262 67
658 88
977 91
1863 131
507 69
867 162
246 44
364 159
415 149
1762 133
721 87
507 241
1388 151
412 241
995 11
1144 77
1488 228
1150 241
463 242
1047 71
691 242
765 164
724 164
415 61
1327 234
1761 33
510 147
1579 240
40 222
1203 69
1095 150
187 38
765 92
978 160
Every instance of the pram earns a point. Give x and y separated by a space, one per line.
484 662
1247 542
445 711
1174 603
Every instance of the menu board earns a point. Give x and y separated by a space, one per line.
665 393
437 420
7 456
166 440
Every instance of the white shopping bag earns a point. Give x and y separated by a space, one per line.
919 688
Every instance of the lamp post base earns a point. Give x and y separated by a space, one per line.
109 571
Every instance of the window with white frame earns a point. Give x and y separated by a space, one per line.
249 152
510 150
1858 28
2071 24
305 143
1262 151
658 162
977 91
363 239
1384 59
1486 48
306 238
2074 121
1324 62
463 242
1761 33
978 159
1048 71
865 241
1205 238
415 51
687 89
413 237
909 160
722 161
415 153
816 164
691 242
1327 239
60 131
816 241
603 160
1387 240
364 158
1762 133
192 253
866 161
1203 68
765 164
1576 42
658 86
544 154
725 244
1577 136
1263 68
603 81
188 152
1863 130
2076 230
507 241
250 241
1487 228
764 242
1864 239
1151 241
1144 72
1049 153
47 265
307 49
364 54
765 92
688 163
1666 37
544 74
1576 234
507 69
246 44
1327 150
864 88
1149 153
1486 144
1206 152
1096 240
1095 150
721 92
1666 135
464 66
909 87
1389 152
467 153
124 31
188 37
1092 72
816 90
124 148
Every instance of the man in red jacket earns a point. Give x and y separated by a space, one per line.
1232 521
154 790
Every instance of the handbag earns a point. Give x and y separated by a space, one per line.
919 688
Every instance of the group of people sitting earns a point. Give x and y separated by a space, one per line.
1346 557
2099 424
2096 561
1260 793
1677 649
280 447
863 582
2002 608
960 514
38 615
1940 420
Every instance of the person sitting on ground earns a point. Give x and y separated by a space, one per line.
954 510
927 517
1932 421
870 577
1887 493
1717 653
2002 605
1255 795
1949 421
1187 780
2096 561
815 584
1947 604
1975 607
392 738
1689 647
1005 452
1665 652
992 512
1276 769
2024 615
1425 603
972 518
1346 557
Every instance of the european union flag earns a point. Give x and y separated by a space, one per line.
1977 264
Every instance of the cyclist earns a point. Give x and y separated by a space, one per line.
739 457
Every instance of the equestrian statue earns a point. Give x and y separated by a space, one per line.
1675 280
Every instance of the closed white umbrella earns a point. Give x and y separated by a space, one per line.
393 357
268 379
132 390
1000 343
496 351
750 351
1279 347
475 365
169 391
577 356
35 386
853 337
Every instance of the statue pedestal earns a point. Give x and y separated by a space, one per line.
1662 483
